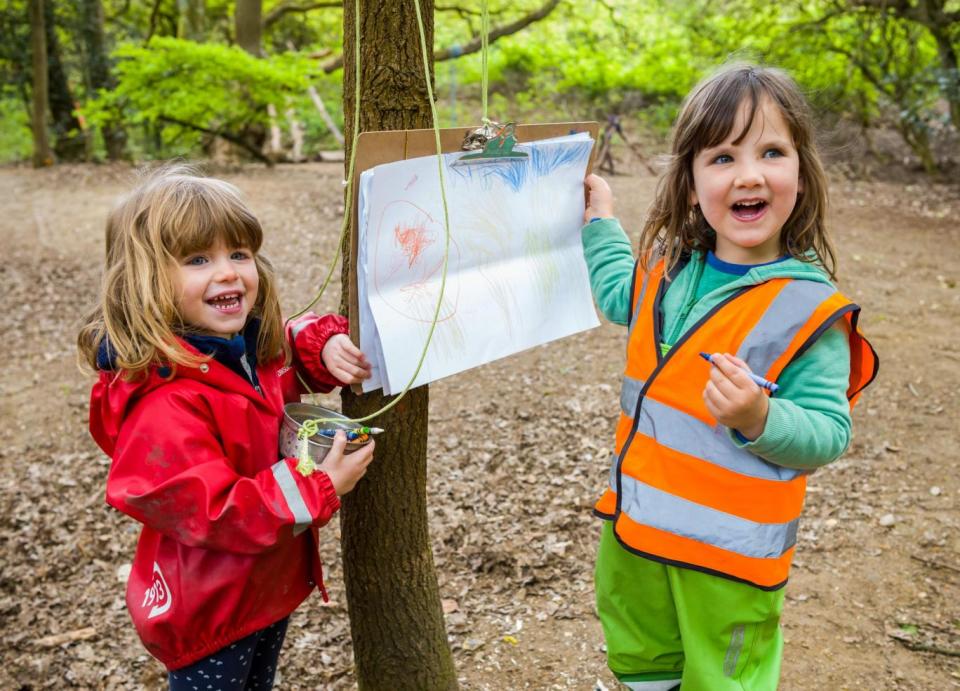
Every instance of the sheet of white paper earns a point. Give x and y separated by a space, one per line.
369 337
516 276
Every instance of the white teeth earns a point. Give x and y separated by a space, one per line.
755 202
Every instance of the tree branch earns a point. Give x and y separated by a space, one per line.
474 45
154 14
229 136
277 13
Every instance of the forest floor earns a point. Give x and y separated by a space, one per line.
874 598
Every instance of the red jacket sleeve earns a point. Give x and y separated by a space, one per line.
170 473
307 336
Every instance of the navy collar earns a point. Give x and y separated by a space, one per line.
737 269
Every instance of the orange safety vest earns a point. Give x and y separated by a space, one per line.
681 492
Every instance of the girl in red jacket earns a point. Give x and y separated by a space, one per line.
195 365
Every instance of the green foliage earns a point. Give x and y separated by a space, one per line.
15 139
179 86
870 63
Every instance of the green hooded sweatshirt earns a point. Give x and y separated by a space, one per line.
808 423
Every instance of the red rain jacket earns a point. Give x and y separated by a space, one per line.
229 543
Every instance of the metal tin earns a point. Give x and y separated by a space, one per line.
294 414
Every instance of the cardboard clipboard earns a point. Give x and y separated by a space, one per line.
376 148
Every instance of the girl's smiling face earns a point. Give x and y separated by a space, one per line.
217 289
748 188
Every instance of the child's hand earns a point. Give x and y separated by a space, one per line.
344 360
733 398
599 198
346 469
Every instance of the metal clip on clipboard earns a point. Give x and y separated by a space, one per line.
491 144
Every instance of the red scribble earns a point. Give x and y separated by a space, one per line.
413 240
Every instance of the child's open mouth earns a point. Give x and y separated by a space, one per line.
229 302
749 210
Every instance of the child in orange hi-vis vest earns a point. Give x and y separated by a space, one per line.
732 287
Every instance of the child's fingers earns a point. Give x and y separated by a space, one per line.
738 362
350 350
346 371
364 455
713 399
725 365
720 378
357 360
339 444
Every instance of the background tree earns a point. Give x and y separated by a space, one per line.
396 620
69 138
98 73
248 19
192 19
42 155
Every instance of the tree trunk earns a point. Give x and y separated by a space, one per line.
247 18
951 72
41 145
248 22
69 137
98 71
192 19
396 621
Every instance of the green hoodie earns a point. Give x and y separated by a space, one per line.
808 424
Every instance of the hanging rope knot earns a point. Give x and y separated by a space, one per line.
308 428
305 464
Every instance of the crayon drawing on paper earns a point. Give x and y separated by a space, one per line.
516 277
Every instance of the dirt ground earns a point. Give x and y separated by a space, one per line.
874 597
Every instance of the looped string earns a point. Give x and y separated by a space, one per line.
309 427
484 52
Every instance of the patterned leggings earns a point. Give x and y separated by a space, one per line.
246 665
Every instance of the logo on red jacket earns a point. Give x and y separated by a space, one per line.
157 596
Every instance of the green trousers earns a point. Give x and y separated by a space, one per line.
666 625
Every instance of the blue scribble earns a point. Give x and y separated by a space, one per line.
515 174
550 157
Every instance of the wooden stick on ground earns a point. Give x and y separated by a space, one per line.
66 637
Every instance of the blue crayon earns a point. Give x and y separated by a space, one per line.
352 434
757 379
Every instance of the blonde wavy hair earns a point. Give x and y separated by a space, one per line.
174 212
674 225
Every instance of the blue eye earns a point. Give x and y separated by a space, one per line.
196 261
773 153
240 255
723 158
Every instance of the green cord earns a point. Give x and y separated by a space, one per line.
484 50
443 198
353 157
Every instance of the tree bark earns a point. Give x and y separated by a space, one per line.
42 155
192 19
248 23
473 46
396 621
98 71
69 138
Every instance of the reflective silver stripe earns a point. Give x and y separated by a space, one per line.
650 506
613 471
299 326
652 685
288 485
630 390
785 316
733 651
636 306
684 433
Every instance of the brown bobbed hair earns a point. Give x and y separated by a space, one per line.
675 226
172 213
